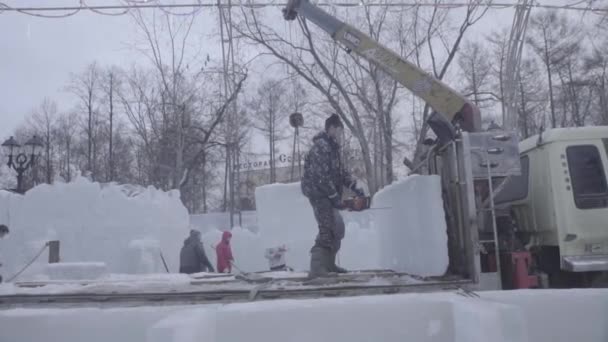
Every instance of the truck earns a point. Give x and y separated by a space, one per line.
557 209
538 208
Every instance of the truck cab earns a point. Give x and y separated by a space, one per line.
558 207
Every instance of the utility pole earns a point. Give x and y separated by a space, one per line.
231 123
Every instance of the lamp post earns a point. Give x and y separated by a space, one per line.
296 120
21 158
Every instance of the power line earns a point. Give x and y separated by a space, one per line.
155 4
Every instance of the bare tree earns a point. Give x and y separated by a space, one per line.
177 90
174 106
85 87
576 94
596 65
110 83
449 40
314 60
475 67
270 116
66 139
350 86
42 122
552 38
500 43
532 98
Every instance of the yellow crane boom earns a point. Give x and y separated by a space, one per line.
445 101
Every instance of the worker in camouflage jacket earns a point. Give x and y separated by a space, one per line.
323 183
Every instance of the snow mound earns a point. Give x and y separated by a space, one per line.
121 226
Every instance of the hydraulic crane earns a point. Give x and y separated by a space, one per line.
448 104
560 220
456 123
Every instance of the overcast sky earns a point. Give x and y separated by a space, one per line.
39 54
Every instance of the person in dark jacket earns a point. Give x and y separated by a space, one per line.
3 232
323 183
192 257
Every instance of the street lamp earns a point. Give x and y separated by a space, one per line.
296 120
21 158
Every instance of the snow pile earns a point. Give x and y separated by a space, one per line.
76 270
124 228
413 228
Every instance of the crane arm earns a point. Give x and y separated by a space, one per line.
450 104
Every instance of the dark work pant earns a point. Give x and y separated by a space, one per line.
189 269
331 225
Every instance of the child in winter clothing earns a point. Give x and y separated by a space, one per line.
224 254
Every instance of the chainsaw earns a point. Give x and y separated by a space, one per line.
358 203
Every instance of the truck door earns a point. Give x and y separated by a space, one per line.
583 218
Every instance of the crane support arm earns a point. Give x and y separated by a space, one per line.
444 100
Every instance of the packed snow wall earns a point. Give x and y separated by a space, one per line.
124 227
405 230
503 316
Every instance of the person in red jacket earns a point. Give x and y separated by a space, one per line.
224 254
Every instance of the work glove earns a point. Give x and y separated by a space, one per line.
336 202
358 191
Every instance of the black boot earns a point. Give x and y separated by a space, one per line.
333 267
320 262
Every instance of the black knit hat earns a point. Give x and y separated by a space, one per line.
333 121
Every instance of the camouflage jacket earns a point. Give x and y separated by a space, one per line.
324 175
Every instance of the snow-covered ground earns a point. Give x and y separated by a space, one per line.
514 316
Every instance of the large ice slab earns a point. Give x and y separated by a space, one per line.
94 222
411 226
76 270
509 316
285 217
405 230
